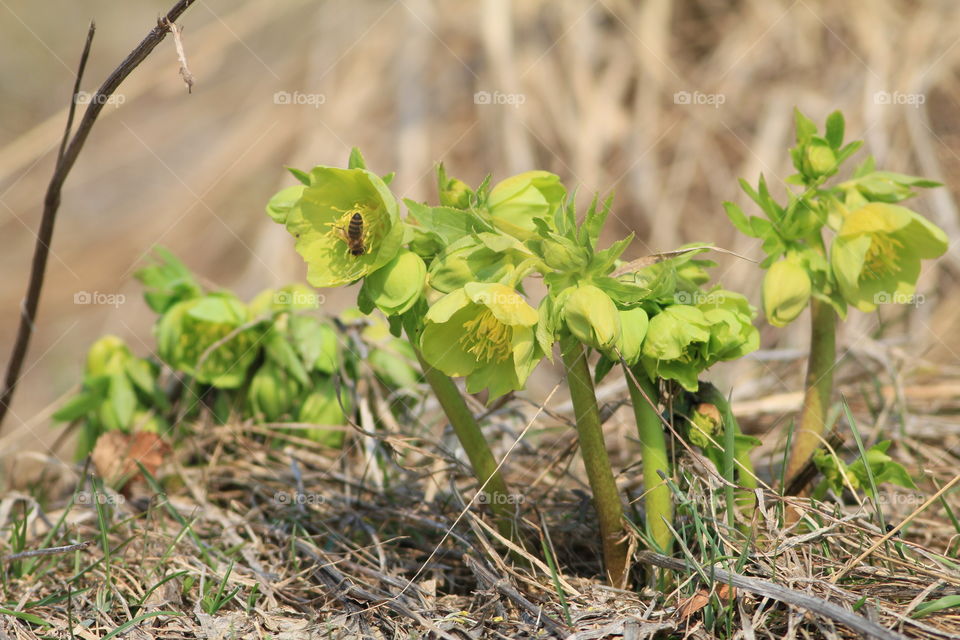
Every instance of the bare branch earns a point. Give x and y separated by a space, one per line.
51 201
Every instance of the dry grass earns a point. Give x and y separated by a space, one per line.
383 542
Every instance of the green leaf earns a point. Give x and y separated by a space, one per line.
947 602
806 128
738 218
356 160
302 176
448 223
26 617
834 132
282 353
122 401
77 407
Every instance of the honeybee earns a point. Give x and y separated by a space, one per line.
353 235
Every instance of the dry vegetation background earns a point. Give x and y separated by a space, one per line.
598 81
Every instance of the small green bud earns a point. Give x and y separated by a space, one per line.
820 159
633 329
398 285
592 317
786 291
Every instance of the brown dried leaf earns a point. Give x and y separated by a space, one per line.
116 454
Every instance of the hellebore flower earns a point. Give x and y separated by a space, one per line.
346 223
591 316
877 252
514 203
189 329
674 345
397 285
484 257
786 291
732 334
484 331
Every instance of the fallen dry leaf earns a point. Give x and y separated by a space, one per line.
116 454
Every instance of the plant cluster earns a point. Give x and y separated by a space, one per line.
272 360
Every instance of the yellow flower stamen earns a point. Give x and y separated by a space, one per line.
487 338
881 258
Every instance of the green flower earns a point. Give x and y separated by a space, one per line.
675 343
484 331
514 203
397 286
786 291
188 331
876 255
591 316
346 223
732 334
482 257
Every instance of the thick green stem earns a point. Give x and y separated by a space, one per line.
658 501
606 497
819 385
735 461
471 438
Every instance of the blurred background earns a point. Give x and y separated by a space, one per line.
665 103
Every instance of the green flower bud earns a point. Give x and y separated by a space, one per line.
321 407
633 329
706 424
820 159
272 392
453 193
397 285
877 253
108 355
484 331
786 291
514 203
591 316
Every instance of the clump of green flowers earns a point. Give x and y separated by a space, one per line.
274 361
453 278
832 247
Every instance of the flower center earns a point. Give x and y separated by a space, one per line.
881 258
487 338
